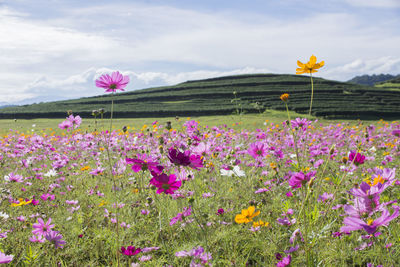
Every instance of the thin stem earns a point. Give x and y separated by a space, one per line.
112 109
312 93
294 136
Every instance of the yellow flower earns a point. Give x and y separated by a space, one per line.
310 67
260 223
247 215
102 203
21 203
85 168
284 97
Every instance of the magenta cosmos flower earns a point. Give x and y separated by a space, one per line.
185 158
143 163
165 183
130 251
112 83
356 158
298 179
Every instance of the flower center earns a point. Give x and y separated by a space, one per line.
165 186
113 86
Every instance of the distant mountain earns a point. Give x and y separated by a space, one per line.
371 80
6 105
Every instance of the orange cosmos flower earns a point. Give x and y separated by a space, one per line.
247 215
309 67
284 97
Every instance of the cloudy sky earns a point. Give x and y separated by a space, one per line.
55 49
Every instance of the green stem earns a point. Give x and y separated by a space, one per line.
112 109
294 136
312 93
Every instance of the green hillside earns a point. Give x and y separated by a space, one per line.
390 84
214 96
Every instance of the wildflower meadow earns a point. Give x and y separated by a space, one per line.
295 193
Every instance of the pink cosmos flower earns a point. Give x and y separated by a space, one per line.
165 183
130 251
76 121
187 211
5 258
257 150
65 125
300 123
42 228
37 239
112 83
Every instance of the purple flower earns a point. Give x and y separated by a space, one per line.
324 197
355 223
56 238
220 211
5 258
185 158
112 83
130 251
165 183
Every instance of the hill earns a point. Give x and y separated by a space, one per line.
371 80
254 93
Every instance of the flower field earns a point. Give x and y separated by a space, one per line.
297 194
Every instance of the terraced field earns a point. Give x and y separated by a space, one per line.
254 93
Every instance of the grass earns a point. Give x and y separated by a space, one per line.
245 121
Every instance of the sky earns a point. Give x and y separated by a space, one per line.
56 49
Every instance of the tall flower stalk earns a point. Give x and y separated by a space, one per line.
310 67
112 83
285 98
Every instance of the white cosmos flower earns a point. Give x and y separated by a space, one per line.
235 171
4 215
51 173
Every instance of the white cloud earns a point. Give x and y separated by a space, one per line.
375 3
83 85
167 45
386 65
